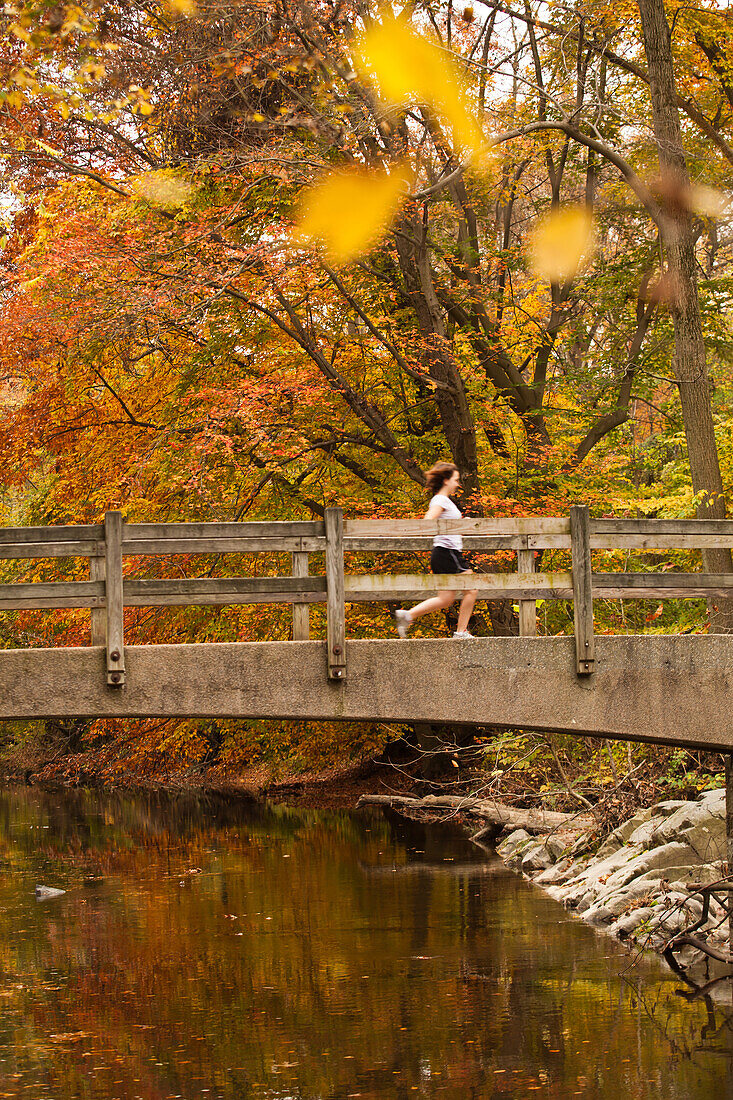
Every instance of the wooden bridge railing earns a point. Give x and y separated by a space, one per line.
107 593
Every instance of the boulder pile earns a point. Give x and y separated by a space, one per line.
636 884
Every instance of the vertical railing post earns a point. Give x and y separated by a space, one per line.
114 600
585 646
301 611
99 614
335 607
527 608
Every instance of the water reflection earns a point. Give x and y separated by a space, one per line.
211 948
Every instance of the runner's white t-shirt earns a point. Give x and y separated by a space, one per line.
450 511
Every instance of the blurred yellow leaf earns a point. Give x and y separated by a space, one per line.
410 68
160 189
558 244
707 201
349 211
183 7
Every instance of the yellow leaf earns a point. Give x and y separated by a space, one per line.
707 201
145 108
183 7
46 148
410 68
160 189
349 211
559 243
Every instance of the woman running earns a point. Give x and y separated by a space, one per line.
446 557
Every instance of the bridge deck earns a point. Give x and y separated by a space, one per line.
673 689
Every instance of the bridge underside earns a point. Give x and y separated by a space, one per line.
676 690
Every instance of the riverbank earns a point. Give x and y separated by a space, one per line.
337 787
635 886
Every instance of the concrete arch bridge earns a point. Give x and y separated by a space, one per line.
668 689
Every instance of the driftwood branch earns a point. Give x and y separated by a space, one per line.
493 813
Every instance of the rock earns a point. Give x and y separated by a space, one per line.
626 833
584 903
668 807
559 873
693 908
639 818
604 868
514 843
715 799
556 846
45 892
700 824
536 858
627 924
592 879
598 914
687 956
572 899
642 834
672 922
705 873
620 835
579 846
674 854
611 844
615 902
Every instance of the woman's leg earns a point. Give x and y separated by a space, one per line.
465 610
434 603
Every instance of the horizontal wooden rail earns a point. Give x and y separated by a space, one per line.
256 545
52 534
373 536
491 586
19 597
662 586
360 588
250 529
52 542
224 590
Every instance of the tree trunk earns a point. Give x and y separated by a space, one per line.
689 362
495 813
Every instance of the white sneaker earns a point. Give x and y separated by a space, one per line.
404 622
461 635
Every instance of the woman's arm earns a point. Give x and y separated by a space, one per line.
435 511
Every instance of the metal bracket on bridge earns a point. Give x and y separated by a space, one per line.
585 644
335 605
114 600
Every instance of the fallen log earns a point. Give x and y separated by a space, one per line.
493 813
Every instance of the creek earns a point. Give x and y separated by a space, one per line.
219 949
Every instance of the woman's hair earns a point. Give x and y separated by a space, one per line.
439 474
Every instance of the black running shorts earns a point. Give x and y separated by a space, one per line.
445 560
